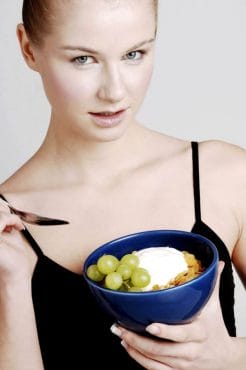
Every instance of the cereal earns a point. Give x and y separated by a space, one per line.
194 269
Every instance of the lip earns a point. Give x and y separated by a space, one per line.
107 119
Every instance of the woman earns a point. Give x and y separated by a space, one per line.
109 176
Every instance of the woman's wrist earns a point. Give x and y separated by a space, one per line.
18 319
15 290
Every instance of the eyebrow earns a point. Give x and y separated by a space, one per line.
92 51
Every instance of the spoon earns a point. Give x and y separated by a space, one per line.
32 218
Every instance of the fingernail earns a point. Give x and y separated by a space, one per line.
115 330
153 329
123 343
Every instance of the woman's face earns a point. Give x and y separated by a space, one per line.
97 61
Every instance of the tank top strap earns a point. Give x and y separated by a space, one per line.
27 235
196 180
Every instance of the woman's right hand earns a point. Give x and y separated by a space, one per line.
14 261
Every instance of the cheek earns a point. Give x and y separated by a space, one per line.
140 81
67 88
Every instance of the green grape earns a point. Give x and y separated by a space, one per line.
140 277
94 274
134 289
123 287
131 260
107 264
125 271
113 281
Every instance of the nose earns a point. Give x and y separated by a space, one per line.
112 88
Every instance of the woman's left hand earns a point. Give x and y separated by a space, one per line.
203 344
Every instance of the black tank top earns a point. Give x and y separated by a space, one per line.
70 324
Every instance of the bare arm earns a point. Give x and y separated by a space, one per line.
19 346
239 251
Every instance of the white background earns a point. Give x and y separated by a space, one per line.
198 90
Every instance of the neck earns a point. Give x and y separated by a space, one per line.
76 158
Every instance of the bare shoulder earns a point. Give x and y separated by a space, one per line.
164 147
22 182
223 172
222 151
224 160
15 183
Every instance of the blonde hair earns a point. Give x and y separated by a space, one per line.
38 18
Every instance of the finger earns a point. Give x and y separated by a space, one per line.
9 221
158 349
8 229
178 333
187 332
144 361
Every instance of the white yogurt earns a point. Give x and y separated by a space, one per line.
162 263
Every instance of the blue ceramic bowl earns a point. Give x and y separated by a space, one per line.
177 305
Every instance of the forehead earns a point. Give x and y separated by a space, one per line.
98 22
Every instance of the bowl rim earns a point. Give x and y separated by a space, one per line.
213 264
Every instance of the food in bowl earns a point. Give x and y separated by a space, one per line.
168 267
145 270
176 305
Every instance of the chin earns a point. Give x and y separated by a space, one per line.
108 134
111 134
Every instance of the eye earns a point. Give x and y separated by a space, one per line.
83 59
135 55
